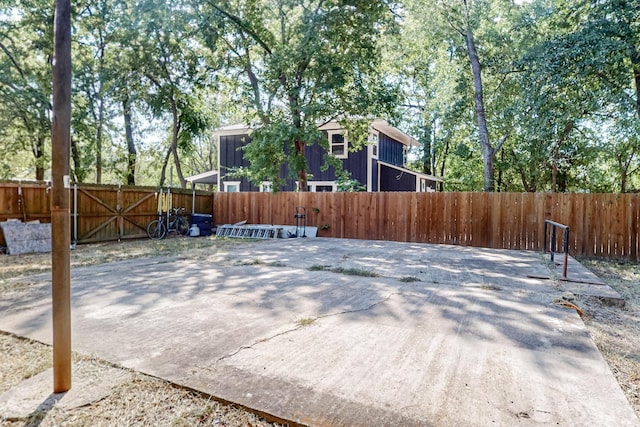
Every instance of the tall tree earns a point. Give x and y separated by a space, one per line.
463 18
164 55
300 63
26 49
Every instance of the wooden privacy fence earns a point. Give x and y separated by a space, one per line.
601 225
104 212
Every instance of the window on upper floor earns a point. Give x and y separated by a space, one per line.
373 141
338 144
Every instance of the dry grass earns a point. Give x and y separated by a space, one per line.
616 331
143 401
99 253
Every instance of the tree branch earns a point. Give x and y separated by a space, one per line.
241 25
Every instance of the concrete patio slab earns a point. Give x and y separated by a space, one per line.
442 335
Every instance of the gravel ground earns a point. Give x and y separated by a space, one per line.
144 400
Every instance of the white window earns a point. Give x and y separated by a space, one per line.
232 186
373 142
320 186
338 144
266 187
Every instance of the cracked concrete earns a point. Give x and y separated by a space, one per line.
477 340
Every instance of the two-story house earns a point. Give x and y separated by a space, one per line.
378 166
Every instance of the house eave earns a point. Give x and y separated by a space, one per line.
238 129
395 133
418 174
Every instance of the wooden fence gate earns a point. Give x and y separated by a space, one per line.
99 213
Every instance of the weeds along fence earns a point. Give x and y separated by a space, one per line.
601 225
104 212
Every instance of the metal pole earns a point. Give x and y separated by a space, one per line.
168 206
193 197
75 215
60 227
552 244
566 252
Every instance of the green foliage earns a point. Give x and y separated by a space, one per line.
300 64
560 86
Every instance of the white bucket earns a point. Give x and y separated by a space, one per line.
194 231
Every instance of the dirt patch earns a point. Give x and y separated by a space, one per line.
616 330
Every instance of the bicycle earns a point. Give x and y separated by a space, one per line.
158 228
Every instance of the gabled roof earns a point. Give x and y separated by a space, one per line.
378 124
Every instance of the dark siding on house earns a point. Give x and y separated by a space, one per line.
231 156
394 180
356 163
374 175
390 150
315 159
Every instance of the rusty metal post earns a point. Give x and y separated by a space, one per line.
60 221
566 253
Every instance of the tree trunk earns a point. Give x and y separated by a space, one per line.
131 147
488 151
38 153
174 143
163 170
78 174
635 62
568 127
427 147
433 147
99 139
444 160
302 172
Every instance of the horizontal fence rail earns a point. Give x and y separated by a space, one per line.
602 225
99 213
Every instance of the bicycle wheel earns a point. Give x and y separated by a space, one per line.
156 229
182 226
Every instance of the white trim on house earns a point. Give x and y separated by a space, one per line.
313 185
266 187
238 129
216 139
208 178
373 142
228 184
344 143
